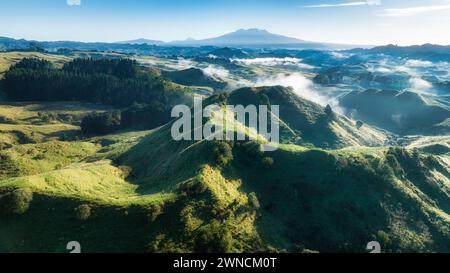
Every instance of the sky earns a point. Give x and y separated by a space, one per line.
357 22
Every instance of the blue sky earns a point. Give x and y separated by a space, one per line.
341 21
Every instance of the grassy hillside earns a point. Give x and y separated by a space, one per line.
393 195
142 191
399 112
307 123
438 145
34 123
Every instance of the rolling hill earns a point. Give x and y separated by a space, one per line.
307 123
399 112
120 194
194 77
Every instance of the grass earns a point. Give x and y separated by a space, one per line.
309 198
39 122
29 113
98 182
32 159
438 145
36 133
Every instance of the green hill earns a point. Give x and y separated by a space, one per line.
194 77
399 112
307 123
146 192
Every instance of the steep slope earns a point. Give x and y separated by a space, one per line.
304 122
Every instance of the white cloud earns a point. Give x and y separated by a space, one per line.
412 67
420 84
181 64
74 2
418 63
339 55
348 4
380 70
287 61
302 87
216 72
402 12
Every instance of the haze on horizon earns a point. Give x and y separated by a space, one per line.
363 22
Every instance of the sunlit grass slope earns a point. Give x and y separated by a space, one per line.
147 192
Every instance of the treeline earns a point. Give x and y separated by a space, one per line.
137 116
119 82
121 68
111 81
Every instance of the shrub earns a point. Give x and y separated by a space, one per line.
100 123
145 116
253 150
83 212
359 124
383 237
192 188
328 110
17 201
393 163
153 211
223 153
126 171
267 161
214 238
253 200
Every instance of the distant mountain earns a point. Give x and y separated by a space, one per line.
8 43
253 38
248 37
243 38
67 46
142 41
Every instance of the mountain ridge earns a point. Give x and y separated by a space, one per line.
252 38
246 36
141 41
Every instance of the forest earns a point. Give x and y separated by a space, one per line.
145 96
